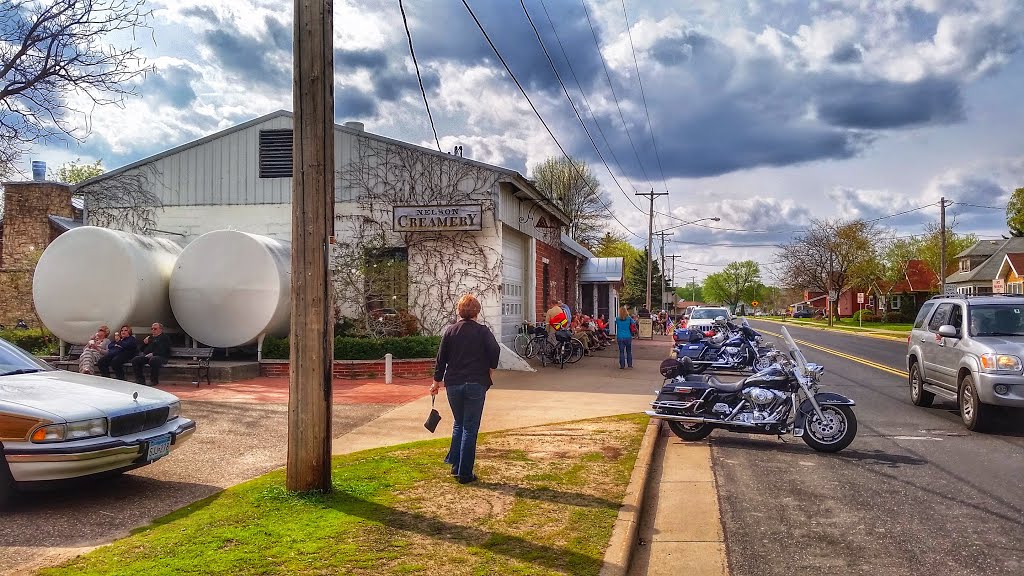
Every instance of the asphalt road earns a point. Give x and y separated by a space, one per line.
234 441
916 493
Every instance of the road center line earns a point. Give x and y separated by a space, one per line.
850 357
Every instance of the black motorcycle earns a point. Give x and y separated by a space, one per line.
780 399
732 348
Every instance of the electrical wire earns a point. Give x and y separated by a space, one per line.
608 76
574 108
643 97
979 206
900 213
416 64
537 112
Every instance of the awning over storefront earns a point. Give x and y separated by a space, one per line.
575 248
601 270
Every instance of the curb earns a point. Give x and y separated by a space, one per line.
865 333
627 524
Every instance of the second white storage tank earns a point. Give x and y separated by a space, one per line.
229 287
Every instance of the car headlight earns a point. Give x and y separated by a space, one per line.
173 410
1000 362
70 431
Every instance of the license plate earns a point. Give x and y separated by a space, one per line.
158 448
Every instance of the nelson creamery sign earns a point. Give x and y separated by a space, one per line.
461 217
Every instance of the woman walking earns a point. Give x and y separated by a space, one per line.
624 326
465 360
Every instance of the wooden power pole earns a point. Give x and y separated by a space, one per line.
942 245
312 330
650 236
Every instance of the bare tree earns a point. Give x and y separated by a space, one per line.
124 201
577 191
53 49
442 266
831 256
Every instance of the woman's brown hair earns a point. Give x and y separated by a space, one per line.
130 332
468 307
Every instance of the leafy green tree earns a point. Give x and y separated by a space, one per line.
577 191
737 282
1015 212
634 290
77 171
691 291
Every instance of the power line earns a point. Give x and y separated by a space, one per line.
583 94
979 206
643 96
900 213
573 104
608 75
537 112
416 64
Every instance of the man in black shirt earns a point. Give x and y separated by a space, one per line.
155 351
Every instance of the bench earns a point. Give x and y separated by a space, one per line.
194 358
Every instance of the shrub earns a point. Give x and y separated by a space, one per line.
866 316
275 348
348 348
36 341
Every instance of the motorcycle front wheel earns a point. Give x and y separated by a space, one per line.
690 432
833 433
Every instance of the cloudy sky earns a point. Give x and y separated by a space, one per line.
765 113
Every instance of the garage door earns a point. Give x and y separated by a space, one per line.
513 283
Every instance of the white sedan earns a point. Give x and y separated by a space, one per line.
57 425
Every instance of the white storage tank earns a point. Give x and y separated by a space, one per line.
229 288
90 276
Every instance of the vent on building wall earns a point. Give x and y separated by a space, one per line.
275 153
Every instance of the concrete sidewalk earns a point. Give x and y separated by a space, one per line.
591 388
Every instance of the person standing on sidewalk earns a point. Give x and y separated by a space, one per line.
466 358
624 325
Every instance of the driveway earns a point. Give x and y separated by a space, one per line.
242 433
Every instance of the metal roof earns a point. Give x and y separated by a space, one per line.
64 223
602 270
574 247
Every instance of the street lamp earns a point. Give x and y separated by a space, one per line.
651 237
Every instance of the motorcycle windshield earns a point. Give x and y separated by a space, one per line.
794 350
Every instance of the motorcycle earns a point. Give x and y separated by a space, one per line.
732 347
781 399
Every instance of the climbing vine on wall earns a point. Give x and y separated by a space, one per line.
442 266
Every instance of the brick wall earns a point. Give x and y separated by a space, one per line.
27 232
559 263
357 369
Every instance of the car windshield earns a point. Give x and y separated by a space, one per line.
14 360
997 320
708 313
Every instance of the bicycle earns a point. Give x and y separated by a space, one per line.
523 339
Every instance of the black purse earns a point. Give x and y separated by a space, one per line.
434 417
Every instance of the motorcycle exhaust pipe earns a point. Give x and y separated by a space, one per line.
697 419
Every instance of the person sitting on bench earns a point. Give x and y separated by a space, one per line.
122 350
155 351
94 350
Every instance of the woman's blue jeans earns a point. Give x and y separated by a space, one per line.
625 352
467 403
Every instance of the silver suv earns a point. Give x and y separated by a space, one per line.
968 350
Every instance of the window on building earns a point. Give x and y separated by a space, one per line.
1015 288
565 287
965 265
386 280
546 283
894 302
982 290
275 153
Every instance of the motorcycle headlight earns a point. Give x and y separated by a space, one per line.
70 431
1000 363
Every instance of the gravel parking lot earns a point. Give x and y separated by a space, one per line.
235 441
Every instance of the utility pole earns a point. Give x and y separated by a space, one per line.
672 278
942 245
312 329
650 236
662 235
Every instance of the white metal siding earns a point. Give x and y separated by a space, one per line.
513 283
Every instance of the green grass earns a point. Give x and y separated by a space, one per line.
545 505
846 324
